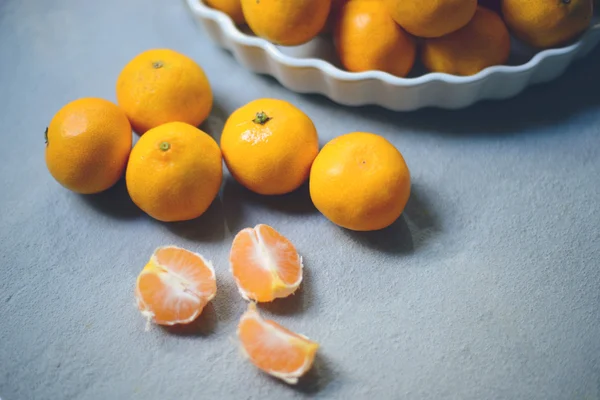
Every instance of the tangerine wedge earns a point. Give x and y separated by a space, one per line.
264 264
175 286
274 349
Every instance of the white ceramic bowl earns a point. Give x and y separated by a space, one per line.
312 68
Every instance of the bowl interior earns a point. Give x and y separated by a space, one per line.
322 48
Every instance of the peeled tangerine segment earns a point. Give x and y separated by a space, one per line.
274 349
265 264
175 286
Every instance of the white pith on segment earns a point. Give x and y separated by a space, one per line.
267 260
288 377
180 286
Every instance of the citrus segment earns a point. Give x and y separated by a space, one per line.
274 349
265 264
175 286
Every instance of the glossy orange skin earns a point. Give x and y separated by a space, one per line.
88 144
544 23
367 38
360 181
286 22
273 157
233 8
162 85
174 172
484 42
431 18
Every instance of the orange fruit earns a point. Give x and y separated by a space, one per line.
274 349
175 286
264 264
269 146
360 181
483 42
174 172
233 8
287 23
87 145
367 38
544 23
431 18
160 86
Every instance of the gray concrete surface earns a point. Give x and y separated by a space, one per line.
487 288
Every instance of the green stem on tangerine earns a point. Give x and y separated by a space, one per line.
164 146
261 118
157 64
46 136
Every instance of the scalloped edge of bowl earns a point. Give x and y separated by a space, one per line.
316 76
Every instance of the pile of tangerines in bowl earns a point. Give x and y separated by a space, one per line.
458 37
359 181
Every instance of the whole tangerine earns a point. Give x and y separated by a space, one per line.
233 8
162 85
360 181
87 145
367 38
431 18
269 146
287 23
544 24
174 172
482 43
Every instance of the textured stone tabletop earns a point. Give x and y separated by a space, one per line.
487 288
